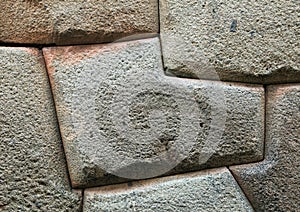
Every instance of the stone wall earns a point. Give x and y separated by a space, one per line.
149 105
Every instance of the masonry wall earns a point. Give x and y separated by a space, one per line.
149 105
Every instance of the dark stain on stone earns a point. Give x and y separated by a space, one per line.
129 184
233 26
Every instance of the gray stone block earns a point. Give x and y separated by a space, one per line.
121 116
274 184
213 190
245 41
75 22
33 174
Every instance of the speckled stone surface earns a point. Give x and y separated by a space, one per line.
213 190
274 184
245 41
33 175
75 22
119 115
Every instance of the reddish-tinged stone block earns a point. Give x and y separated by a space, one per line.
274 184
75 22
121 118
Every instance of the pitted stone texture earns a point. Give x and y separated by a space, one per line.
75 22
214 190
249 41
274 184
119 114
243 137
33 175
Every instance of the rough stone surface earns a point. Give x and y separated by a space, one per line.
33 175
274 184
248 41
214 190
119 115
75 22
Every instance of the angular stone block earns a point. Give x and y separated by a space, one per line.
75 22
121 116
248 41
213 190
274 184
33 175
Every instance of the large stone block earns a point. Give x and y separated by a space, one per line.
33 175
213 190
121 116
75 22
248 41
274 184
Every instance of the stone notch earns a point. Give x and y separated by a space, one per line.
121 118
213 190
249 41
33 174
76 22
274 184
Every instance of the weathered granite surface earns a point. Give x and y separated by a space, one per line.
247 41
75 22
274 184
213 190
33 175
119 115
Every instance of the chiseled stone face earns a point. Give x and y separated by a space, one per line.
246 41
120 117
75 22
213 190
273 185
33 175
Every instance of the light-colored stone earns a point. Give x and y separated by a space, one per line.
120 114
274 184
75 22
33 174
214 190
248 41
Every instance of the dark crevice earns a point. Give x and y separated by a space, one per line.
159 35
282 83
158 13
127 38
241 188
189 76
57 121
265 120
29 45
162 56
82 200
